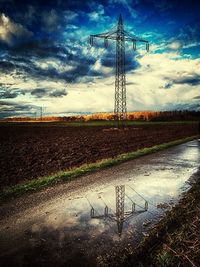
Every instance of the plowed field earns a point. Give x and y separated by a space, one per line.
29 152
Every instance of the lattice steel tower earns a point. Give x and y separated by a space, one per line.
120 215
120 36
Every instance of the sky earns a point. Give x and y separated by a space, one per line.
46 60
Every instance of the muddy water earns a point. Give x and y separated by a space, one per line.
83 229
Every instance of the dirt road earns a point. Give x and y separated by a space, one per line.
54 227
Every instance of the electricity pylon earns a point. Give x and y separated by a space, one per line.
120 197
120 216
120 36
41 113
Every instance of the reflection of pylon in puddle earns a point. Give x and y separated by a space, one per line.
120 216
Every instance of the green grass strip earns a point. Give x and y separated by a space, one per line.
39 183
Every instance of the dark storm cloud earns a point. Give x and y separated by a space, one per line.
29 68
190 80
41 92
49 22
131 64
8 108
6 66
182 106
6 93
40 17
55 31
40 49
23 58
58 93
197 97
109 59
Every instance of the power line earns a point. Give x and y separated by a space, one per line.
142 197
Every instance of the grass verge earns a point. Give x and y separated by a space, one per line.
67 175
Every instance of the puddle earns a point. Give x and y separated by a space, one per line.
104 220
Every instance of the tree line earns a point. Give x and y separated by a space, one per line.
175 115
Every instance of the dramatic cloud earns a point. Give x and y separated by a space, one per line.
6 66
197 97
150 82
45 58
5 93
8 108
192 80
10 31
58 93
41 92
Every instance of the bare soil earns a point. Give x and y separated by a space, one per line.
31 151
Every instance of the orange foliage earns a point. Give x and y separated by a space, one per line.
137 115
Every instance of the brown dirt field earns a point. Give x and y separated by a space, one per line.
28 152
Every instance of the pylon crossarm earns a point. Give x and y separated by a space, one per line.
108 33
104 34
135 40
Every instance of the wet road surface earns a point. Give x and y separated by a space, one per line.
80 222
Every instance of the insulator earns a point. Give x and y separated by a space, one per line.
91 41
106 211
105 42
147 47
134 45
133 207
146 206
92 212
